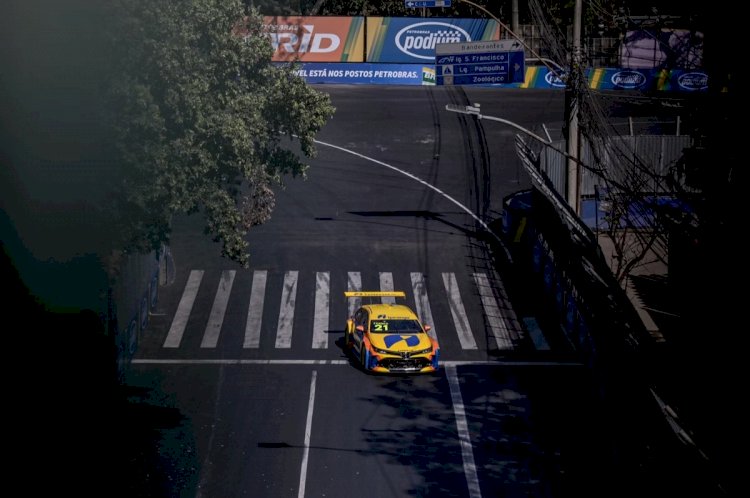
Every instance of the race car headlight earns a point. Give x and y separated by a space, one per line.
382 351
423 351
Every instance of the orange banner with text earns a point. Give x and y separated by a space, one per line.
316 39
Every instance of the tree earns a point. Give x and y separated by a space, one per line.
200 116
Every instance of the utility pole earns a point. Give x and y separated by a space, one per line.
514 16
572 94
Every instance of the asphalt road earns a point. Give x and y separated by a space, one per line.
239 386
402 188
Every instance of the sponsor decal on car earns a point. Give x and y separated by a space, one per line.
410 340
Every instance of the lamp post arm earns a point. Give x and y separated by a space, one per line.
475 111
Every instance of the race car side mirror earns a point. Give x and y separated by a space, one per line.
427 328
361 328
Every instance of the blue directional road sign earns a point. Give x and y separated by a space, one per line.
414 4
479 63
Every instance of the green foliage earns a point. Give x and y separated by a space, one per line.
199 113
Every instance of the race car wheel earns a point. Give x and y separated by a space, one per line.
363 357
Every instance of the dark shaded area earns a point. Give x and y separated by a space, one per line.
75 429
421 214
64 401
693 372
75 426
56 172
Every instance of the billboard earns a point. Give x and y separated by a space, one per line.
316 38
662 49
365 73
413 39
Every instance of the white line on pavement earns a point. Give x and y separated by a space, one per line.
255 310
354 283
428 185
460 319
308 433
320 319
177 329
386 285
492 311
467 453
445 364
424 312
286 312
219 308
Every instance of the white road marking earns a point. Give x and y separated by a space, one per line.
428 185
286 312
308 434
219 308
322 301
516 331
498 329
424 312
177 329
255 309
467 453
504 329
386 285
443 363
460 319
354 283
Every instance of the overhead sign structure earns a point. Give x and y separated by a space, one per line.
415 4
480 62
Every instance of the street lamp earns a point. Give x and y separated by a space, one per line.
572 105
568 210
476 111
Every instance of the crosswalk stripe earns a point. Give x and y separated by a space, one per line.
255 310
219 308
320 319
498 328
510 315
177 329
354 283
286 312
386 285
422 302
460 319
501 320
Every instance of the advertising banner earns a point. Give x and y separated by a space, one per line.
675 80
401 51
413 39
662 49
391 74
315 38
539 77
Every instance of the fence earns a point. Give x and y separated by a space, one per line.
597 52
657 153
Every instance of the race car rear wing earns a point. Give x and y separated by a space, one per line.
375 294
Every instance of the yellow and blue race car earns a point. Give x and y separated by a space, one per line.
389 338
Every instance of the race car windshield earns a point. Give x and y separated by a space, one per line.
384 326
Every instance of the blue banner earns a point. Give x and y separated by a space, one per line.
364 73
535 77
413 39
